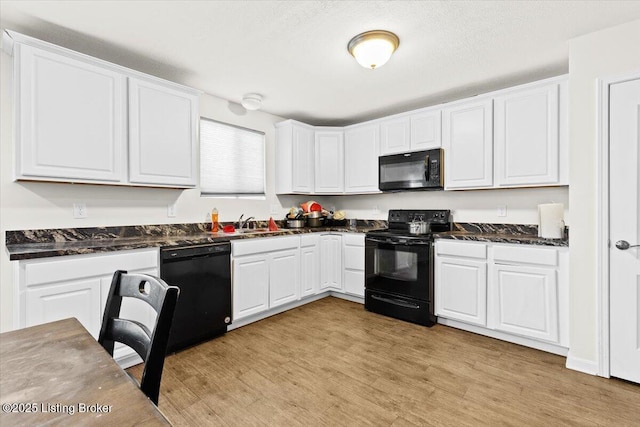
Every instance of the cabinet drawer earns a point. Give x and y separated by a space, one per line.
353 239
354 257
266 244
468 250
525 255
311 239
71 267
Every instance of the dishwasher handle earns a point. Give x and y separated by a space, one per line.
168 254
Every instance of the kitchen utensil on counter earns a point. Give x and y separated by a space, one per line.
318 221
272 225
229 229
419 227
314 214
295 223
339 215
310 206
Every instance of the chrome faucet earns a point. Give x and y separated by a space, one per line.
241 223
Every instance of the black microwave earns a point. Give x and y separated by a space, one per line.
419 170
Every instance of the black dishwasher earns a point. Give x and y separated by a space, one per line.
203 274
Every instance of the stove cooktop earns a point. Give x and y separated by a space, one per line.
399 220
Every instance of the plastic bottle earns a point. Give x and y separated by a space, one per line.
214 220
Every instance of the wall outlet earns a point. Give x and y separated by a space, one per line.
376 210
502 210
80 210
274 209
171 210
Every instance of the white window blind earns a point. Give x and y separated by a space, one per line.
231 160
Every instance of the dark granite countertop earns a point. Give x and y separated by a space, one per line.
32 244
500 233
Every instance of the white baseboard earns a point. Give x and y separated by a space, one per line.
352 298
128 359
247 320
582 365
527 342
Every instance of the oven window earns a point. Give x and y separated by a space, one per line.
396 264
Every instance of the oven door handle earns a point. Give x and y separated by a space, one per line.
391 242
396 301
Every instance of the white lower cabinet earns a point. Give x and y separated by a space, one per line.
353 262
461 292
309 265
524 301
51 289
250 285
283 277
265 274
330 262
519 290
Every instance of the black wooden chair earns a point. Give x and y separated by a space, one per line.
151 346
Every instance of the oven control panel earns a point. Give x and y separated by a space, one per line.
405 216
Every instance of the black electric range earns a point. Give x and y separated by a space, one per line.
399 266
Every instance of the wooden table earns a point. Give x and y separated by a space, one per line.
58 374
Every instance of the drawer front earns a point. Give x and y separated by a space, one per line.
462 249
264 244
353 239
70 267
310 239
525 255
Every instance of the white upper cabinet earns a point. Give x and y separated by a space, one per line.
361 150
163 128
295 143
527 137
329 161
395 135
425 130
70 119
468 143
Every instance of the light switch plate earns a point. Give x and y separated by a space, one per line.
502 210
80 210
171 210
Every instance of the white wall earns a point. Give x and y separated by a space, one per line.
465 206
606 53
35 205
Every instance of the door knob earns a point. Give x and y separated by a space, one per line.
624 245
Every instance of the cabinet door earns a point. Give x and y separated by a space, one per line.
283 277
524 301
163 130
309 270
78 298
330 262
527 137
329 162
353 263
303 163
461 290
250 285
361 151
71 119
395 136
425 130
467 138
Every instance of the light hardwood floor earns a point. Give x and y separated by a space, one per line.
331 363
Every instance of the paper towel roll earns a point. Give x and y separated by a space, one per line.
551 221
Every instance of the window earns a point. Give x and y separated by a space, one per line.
231 160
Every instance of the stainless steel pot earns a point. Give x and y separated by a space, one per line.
419 227
295 223
316 222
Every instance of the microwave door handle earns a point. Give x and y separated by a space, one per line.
427 167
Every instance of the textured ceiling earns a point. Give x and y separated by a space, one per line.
294 52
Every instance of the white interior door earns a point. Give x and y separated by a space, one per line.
624 284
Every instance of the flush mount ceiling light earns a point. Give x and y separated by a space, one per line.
252 101
372 49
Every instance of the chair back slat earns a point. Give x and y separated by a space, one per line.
151 345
